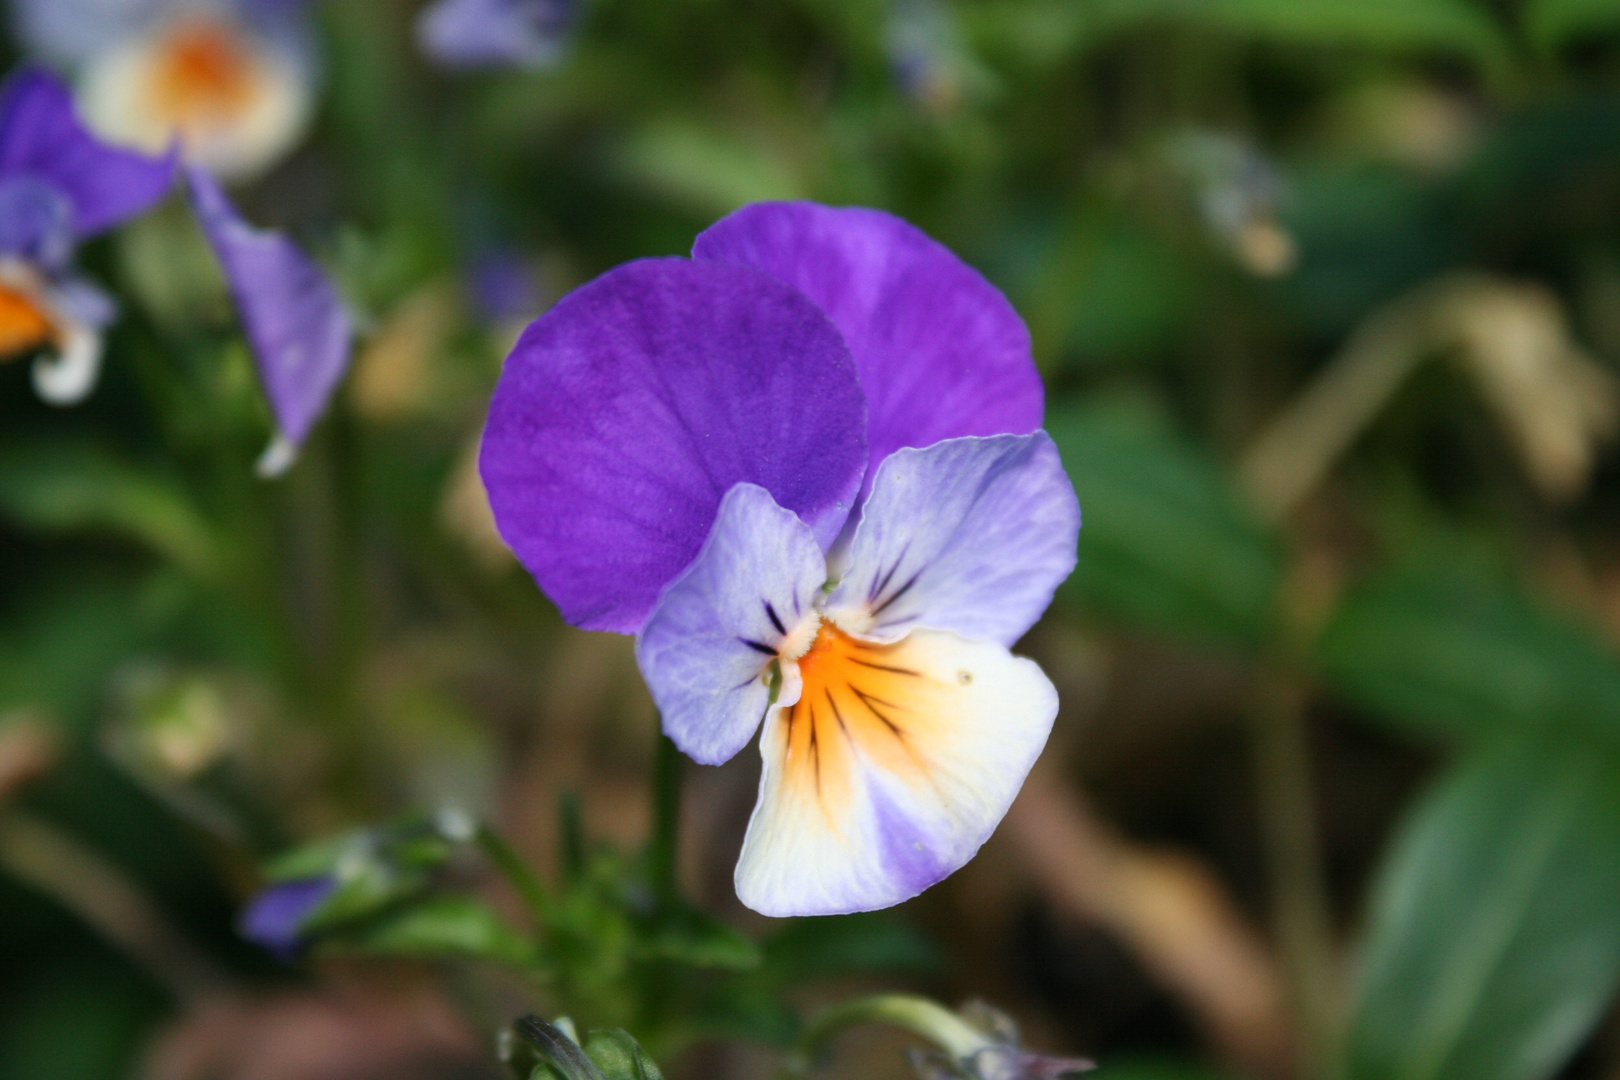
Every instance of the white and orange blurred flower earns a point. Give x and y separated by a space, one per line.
231 80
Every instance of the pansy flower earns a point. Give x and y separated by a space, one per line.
233 80
803 467
59 185
495 33
296 323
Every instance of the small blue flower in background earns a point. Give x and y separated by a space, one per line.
58 186
233 80
503 287
275 919
297 325
495 33
804 468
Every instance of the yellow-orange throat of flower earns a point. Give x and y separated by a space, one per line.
857 696
204 74
24 326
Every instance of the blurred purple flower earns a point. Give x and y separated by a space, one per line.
275 919
504 287
495 33
785 465
59 185
296 323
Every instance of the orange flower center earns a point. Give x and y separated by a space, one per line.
23 326
857 696
204 73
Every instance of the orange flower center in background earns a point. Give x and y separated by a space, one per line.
204 73
23 326
857 695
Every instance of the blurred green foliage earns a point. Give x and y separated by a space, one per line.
1404 139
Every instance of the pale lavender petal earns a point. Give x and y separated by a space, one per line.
888 774
296 323
628 410
71 31
41 138
36 222
940 351
490 33
275 919
707 647
972 535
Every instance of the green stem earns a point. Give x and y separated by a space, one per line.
926 1019
661 855
1287 809
516 872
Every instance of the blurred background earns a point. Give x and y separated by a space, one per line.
1327 298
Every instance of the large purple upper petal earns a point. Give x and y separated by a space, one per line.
295 320
628 410
940 351
41 138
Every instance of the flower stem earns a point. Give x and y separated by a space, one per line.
661 853
515 871
1299 901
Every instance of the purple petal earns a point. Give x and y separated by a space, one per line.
486 33
940 351
295 321
41 137
628 410
707 647
36 222
275 918
972 535
890 772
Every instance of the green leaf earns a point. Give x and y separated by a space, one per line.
1397 25
847 944
692 937
443 926
68 487
1044 31
1153 1069
1165 541
1549 24
620 1057
1440 651
1493 940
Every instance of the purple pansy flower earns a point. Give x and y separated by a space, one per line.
296 323
233 80
275 919
495 33
802 467
58 186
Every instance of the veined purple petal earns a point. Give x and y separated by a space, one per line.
940 351
41 138
492 33
707 647
628 410
972 535
295 321
275 918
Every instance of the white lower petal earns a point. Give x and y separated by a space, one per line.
67 376
892 770
128 95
